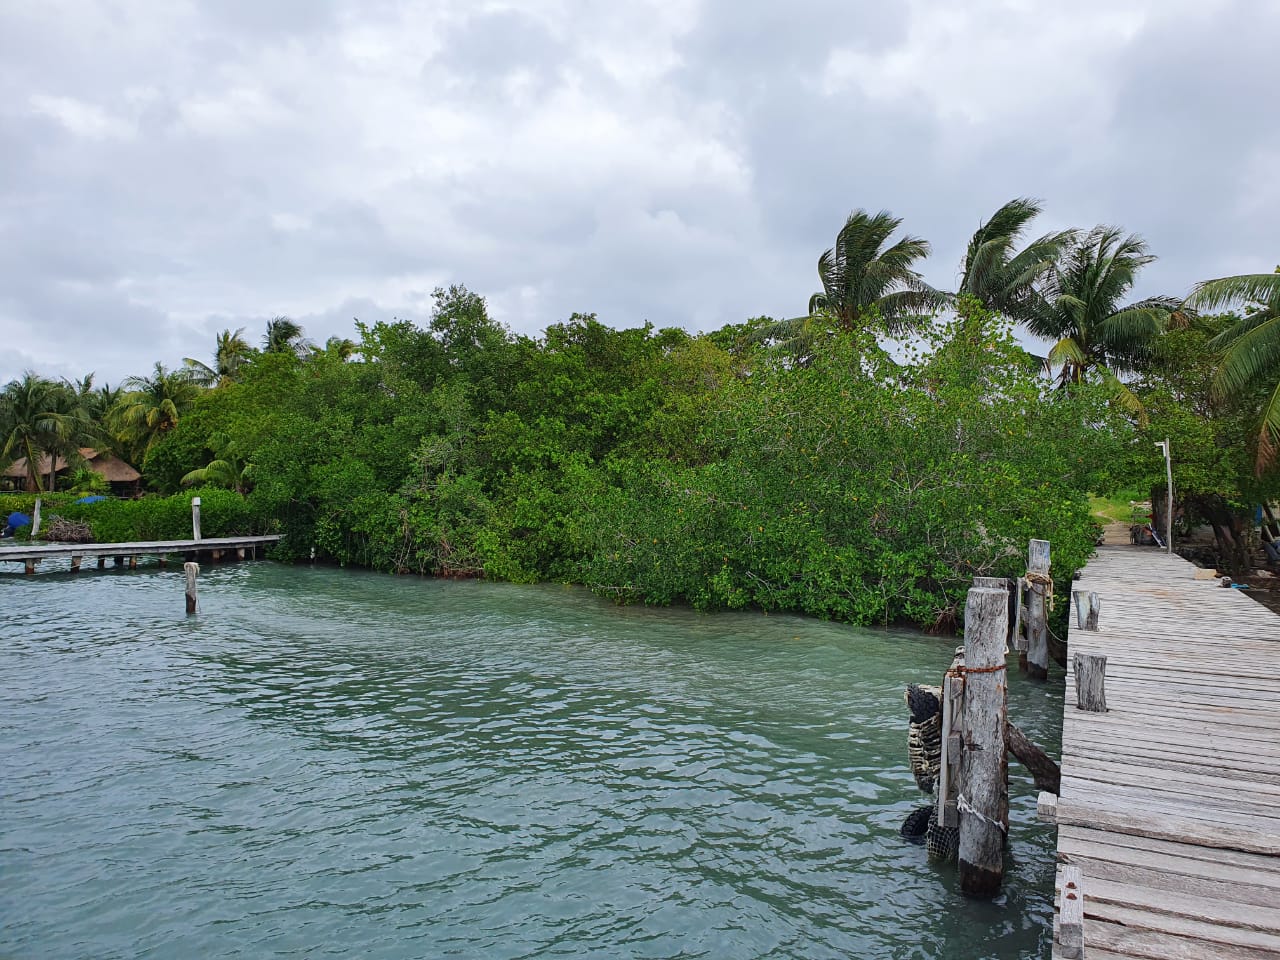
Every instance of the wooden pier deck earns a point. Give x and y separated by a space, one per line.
1170 801
29 555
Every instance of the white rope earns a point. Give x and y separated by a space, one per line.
964 806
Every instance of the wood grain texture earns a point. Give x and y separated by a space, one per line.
1170 801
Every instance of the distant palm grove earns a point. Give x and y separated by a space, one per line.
862 461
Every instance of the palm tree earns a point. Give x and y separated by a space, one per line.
284 336
41 418
230 354
1006 281
862 279
1093 332
152 406
1250 349
229 469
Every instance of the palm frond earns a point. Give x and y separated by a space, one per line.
1229 291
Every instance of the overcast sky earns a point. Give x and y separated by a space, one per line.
169 169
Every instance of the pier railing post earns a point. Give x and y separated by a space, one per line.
35 520
192 570
1039 587
195 518
983 799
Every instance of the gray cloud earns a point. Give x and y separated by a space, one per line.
166 172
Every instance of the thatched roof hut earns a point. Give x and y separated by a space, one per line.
122 477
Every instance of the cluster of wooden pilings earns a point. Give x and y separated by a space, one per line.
977 737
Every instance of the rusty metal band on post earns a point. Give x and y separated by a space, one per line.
995 669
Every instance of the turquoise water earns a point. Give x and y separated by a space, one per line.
335 763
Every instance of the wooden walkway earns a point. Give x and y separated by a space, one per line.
216 547
1170 801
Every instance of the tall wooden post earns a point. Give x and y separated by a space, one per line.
195 518
983 801
1038 587
35 520
192 570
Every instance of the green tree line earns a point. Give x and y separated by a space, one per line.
862 461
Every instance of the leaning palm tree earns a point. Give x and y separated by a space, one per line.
152 406
1093 331
1250 349
41 419
865 286
863 280
230 354
1005 280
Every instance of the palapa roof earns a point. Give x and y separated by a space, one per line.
112 468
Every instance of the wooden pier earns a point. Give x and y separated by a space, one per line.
1169 811
214 548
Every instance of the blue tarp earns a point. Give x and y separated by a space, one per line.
93 499
15 521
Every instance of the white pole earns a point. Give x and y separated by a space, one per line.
1168 511
195 518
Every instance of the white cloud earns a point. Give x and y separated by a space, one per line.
168 168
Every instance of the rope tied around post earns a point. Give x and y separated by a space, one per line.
1042 579
963 805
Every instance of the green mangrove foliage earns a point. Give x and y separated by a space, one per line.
795 465
659 467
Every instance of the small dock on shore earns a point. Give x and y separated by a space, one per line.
1169 811
122 554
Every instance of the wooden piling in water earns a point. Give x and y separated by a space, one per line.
192 570
983 799
75 564
1039 595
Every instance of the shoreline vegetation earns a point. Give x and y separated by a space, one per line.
860 463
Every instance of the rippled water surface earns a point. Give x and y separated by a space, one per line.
332 763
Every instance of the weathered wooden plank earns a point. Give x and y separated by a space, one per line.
1126 941
1242 901
1169 855
1171 924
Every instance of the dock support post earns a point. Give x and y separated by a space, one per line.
949 768
29 567
1091 682
133 562
195 518
192 570
1039 586
983 801
102 562
35 520
75 564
